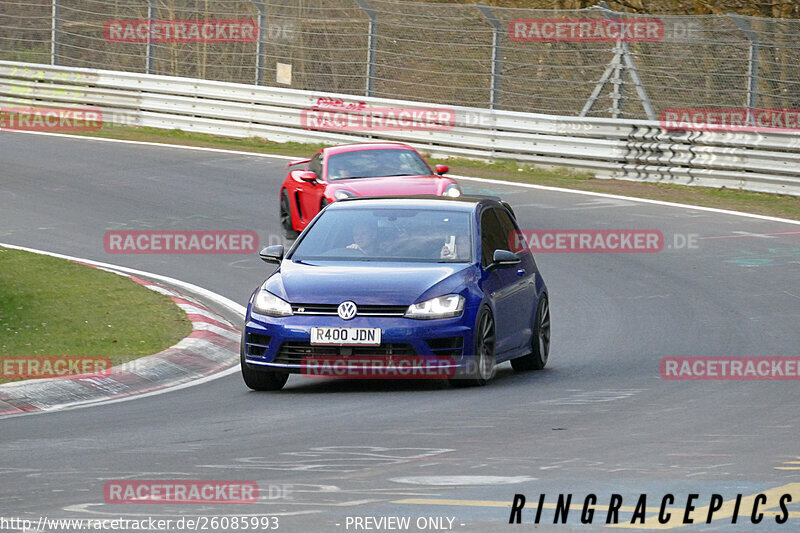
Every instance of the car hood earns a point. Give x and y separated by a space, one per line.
393 185
367 283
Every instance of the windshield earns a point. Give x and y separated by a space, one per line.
405 235
376 163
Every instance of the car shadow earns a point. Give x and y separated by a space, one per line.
298 384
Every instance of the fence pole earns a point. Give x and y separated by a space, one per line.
497 35
54 33
372 45
617 84
610 69
262 40
752 65
623 52
627 58
151 10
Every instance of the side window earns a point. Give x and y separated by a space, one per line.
315 165
492 236
513 237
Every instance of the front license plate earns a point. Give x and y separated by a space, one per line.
346 336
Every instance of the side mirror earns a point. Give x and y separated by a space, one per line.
441 169
504 259
272 254
308 175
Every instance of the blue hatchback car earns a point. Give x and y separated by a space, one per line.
405 277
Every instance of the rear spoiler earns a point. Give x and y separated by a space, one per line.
297 162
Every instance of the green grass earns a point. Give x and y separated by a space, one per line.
51 306
184 138
752 202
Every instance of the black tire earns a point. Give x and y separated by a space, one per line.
260 380
482 367
540 343
286 216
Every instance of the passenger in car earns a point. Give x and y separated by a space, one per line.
460 250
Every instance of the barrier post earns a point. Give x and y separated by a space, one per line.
372 46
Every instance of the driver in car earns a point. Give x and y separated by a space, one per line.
336 170
365 239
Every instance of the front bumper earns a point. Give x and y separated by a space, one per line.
284 343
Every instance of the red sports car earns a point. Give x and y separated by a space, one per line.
373 169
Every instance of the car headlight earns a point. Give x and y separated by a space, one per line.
266 303
341 194
441 307
452 190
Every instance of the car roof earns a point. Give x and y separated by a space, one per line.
356 147
461 203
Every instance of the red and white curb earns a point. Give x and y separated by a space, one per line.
212 347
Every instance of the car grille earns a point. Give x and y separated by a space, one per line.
363 310
446 346
292 353
257 344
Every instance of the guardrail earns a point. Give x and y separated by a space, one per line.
624 149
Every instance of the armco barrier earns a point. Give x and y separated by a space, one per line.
624 149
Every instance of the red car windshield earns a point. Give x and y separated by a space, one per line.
376 164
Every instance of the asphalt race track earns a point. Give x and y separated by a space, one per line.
598 420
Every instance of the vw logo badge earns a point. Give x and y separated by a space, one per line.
347 310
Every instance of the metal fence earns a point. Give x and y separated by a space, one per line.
616 148
454 54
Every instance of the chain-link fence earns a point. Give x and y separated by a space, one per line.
454 54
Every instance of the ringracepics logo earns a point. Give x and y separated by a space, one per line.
587 241
330 114
180 31
171 491
54 119
180 242
668 509
586 30
378 367
52 366
730 368
730 119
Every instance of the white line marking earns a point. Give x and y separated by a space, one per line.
630 198
759 235
160 145
457 481
743 234
217 298
481 180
